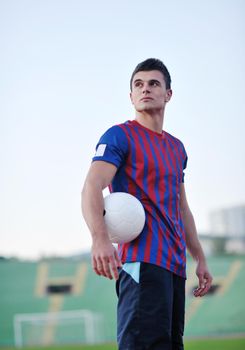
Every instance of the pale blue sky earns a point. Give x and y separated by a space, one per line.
64 79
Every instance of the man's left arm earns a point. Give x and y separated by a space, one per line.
194 246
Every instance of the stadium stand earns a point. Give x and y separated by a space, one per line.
223 312
53 286
67 286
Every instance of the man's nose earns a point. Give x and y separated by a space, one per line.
146 88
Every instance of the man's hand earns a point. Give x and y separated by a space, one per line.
105 259
205 279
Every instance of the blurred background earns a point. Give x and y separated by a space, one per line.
65 68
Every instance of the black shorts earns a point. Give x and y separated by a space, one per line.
151 304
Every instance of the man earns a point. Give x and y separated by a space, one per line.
140 158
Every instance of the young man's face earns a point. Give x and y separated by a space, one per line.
149 91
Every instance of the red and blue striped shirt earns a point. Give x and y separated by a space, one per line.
150 166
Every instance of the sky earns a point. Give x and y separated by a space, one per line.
65 67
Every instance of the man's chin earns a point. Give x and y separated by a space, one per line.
148 109
144 108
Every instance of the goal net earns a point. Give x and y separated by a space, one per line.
65 327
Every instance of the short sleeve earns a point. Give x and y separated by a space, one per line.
184 163
112 146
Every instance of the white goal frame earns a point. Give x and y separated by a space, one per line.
89 318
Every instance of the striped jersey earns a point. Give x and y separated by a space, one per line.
150 166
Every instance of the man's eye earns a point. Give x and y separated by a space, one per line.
154 83
138 84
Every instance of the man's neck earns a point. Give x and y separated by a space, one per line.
150 121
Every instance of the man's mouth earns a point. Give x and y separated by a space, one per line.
146 99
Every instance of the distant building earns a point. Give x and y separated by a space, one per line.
229 222
227 228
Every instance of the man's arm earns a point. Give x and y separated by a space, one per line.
194 246
105 259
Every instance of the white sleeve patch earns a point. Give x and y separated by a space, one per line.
100 150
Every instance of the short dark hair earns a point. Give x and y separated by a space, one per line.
152 64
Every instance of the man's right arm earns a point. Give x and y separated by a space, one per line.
105 258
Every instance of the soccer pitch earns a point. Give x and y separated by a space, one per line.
214 344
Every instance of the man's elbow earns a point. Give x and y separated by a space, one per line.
185 212
91 186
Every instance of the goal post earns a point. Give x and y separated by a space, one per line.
55 328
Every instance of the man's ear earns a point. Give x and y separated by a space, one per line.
131 98
168 96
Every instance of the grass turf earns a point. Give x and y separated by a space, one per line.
204 344
216 344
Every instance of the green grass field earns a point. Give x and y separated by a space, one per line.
212 344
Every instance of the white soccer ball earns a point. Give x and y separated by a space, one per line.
124 217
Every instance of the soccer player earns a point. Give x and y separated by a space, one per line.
140 158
